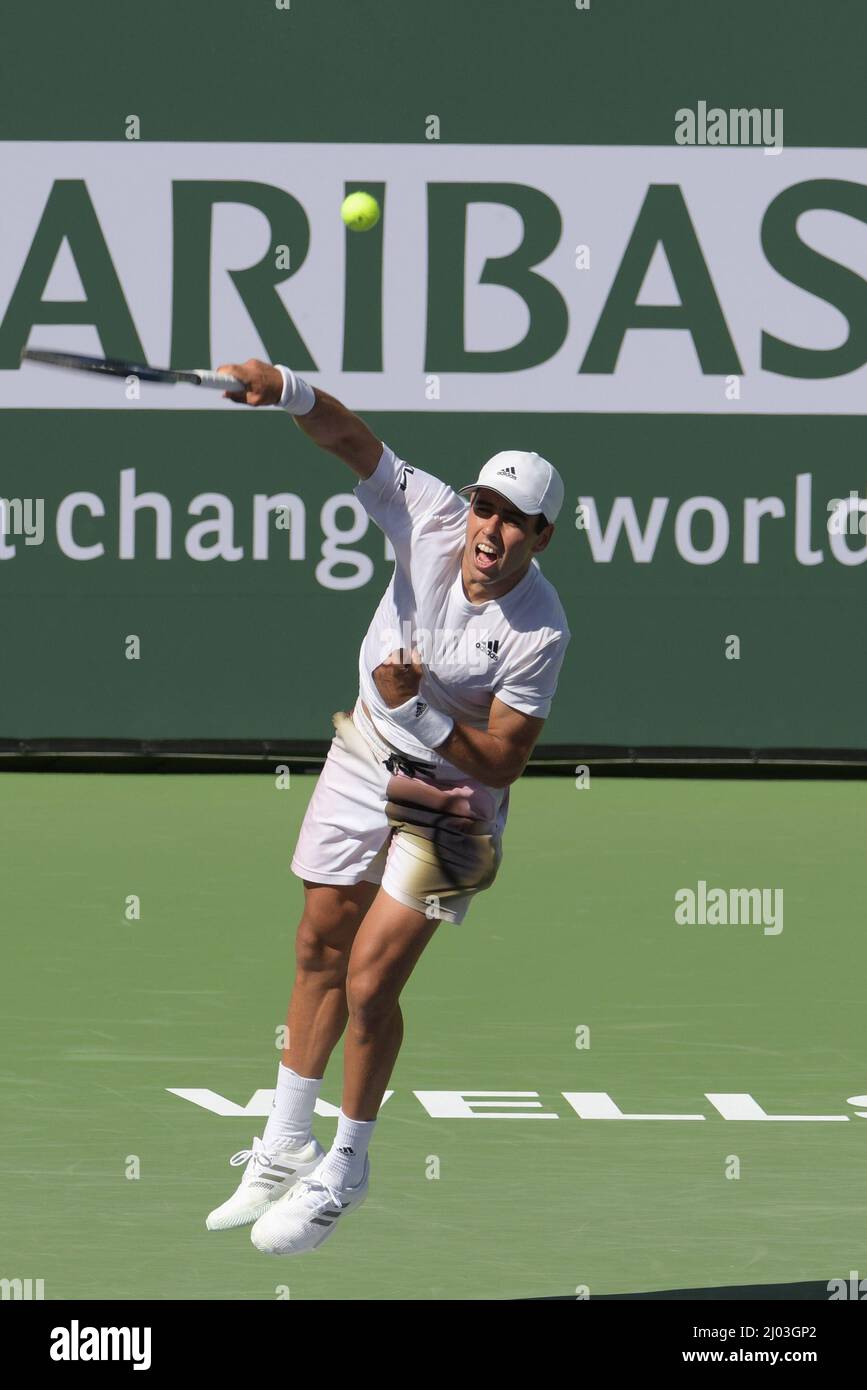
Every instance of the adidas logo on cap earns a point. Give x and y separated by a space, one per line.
525 479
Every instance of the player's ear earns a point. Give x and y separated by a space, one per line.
543 538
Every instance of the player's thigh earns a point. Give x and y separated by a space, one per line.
332 916
384 953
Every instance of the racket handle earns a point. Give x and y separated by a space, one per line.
217 382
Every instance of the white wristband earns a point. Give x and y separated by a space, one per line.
430 726
298 396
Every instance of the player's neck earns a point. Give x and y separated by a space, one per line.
476 591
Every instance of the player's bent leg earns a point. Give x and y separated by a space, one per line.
333 914
288 1150
385 951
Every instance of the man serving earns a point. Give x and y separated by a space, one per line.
457 674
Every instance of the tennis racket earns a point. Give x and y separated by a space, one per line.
119 366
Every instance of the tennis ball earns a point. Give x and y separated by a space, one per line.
360 212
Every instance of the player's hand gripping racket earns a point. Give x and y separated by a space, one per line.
119 366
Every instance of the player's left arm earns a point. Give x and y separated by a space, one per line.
497 755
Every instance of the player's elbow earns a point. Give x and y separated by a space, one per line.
509 774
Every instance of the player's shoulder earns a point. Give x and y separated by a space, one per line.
409 477
548 607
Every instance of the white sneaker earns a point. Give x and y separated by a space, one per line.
306 1216
269 1175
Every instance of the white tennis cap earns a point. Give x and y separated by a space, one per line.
531 482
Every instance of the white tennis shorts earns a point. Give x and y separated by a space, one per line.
431 844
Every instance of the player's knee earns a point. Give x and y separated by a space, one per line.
315 954
330 921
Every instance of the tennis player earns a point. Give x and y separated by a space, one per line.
457 673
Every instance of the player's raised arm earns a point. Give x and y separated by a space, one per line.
328 423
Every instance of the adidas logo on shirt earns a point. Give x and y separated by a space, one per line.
490 648
507 472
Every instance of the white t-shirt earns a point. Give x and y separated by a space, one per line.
511 647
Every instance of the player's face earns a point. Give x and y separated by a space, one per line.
495 524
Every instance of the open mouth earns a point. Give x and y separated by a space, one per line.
485 556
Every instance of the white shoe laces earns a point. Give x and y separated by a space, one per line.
307 1187
258 1152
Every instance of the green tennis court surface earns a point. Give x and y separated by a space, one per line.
101 1016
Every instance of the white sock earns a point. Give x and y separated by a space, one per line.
343 1165
290 1123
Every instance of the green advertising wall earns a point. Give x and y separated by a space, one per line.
256 649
